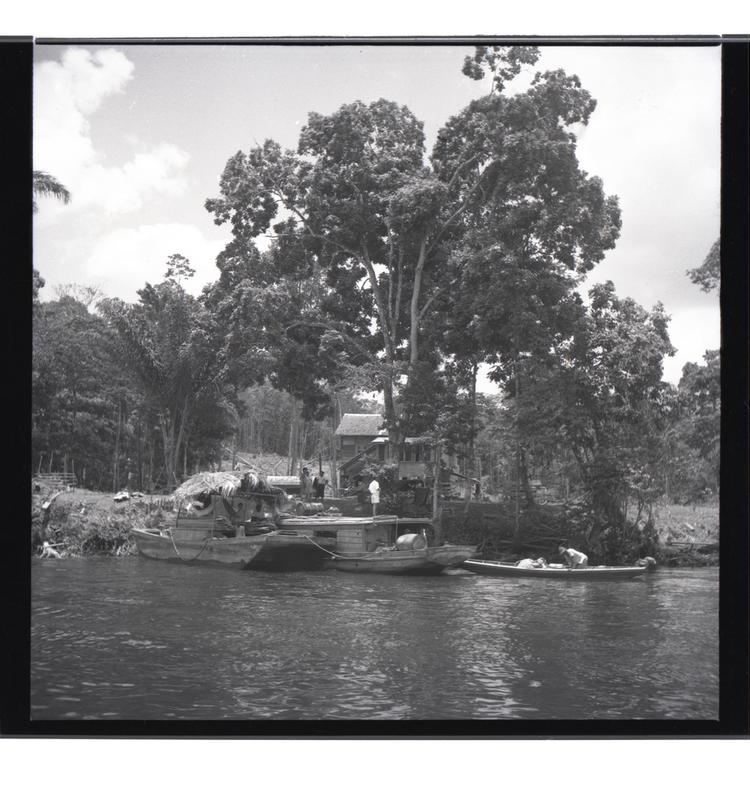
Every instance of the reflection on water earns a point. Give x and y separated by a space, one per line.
135 639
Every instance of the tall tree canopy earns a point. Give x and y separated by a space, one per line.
395 233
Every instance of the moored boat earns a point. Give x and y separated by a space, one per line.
175 547
383 544
230 519
554 571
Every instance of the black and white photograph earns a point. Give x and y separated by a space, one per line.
376 382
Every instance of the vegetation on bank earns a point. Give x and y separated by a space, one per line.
84 523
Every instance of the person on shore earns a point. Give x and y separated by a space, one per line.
48 552
572 557
374 489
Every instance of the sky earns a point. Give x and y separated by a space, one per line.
140 135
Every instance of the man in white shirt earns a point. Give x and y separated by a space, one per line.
374 495
572 557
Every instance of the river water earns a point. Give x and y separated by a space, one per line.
135 639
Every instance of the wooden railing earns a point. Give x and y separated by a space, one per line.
57 480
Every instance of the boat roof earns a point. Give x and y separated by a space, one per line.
339 521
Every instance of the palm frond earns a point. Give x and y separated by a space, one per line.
45 185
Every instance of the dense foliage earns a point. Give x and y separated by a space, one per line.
402 272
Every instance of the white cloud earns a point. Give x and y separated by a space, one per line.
122 189
123 260
693 331
66 94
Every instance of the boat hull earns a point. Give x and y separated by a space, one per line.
424 562
488 568
259 552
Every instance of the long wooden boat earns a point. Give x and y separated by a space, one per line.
163 544
382 544
558 572
226 518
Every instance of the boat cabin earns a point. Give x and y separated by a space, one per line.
228 516
358 535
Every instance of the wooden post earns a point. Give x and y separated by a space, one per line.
518 465
436 511
334 464
292 421
51 457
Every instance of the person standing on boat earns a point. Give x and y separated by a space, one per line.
305 484
321 488
374 495
572 557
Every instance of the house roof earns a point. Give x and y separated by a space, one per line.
360 425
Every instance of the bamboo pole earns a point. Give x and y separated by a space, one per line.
436 517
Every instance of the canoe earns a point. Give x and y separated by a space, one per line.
593 573
263 551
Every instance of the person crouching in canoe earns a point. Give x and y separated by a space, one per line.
572 557
541 562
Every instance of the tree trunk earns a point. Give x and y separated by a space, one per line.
517 509
150 479
527 491
475 473
292 431
116 466
139 451
414 306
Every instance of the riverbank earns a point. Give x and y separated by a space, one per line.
682 536
81 522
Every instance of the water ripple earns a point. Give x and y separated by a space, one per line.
134 639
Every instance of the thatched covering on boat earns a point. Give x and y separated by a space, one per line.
226 484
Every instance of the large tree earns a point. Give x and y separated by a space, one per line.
395 234
170 343
76 391
603 398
